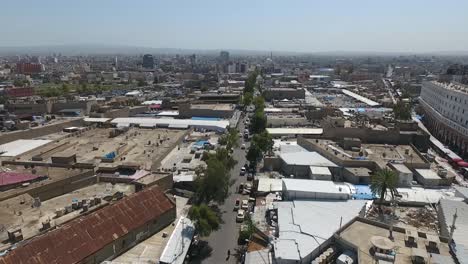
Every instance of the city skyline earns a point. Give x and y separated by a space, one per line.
305 27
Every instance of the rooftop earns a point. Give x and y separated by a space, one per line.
304 225
360 233
301 185
80 238
19 212
306 159
141 147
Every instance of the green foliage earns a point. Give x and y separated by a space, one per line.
213 182
382 181
20 83
247 98
259 103
246 233
205 219
141 83
230 140
51 92
65 89
258 122
263 140
402 111
254 155
250 82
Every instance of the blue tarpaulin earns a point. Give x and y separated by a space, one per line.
363 192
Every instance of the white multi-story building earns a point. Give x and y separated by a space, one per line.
446 111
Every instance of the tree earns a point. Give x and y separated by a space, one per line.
65 89
213 184
250 82
232 138
141 83
383 181
259 103
205 219
254 155
246 232
402 111
263 140
247 98
259 122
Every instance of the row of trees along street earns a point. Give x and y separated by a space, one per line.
212 184
262 141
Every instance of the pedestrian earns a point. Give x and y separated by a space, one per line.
229 252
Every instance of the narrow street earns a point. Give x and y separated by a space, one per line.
226 237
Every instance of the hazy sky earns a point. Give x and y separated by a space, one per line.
289 25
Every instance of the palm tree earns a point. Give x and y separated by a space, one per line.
382 181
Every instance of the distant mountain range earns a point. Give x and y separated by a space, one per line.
92 49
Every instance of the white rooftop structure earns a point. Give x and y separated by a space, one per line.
315 189
428 174
319 170
168 113
272 110
304 225
422 195
133 93
20 146
360 98
96 119
258 257
294 131
217 125
178 245
270 185
311 158
401 168
152 102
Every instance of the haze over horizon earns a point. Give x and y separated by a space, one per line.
302 26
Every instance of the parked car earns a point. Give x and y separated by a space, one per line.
241 188
243 146
245 204
242 171
240 216
250 176
236 204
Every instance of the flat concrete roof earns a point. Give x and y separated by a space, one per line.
359 234
360 98
305 225
20 146
139 147
295 131
306 159
428 174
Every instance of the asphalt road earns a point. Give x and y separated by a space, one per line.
226 237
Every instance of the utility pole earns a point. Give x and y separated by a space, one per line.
452 227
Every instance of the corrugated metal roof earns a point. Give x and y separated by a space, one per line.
84 236
7 178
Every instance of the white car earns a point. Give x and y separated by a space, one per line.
243 146
245 204
240 216
242 171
